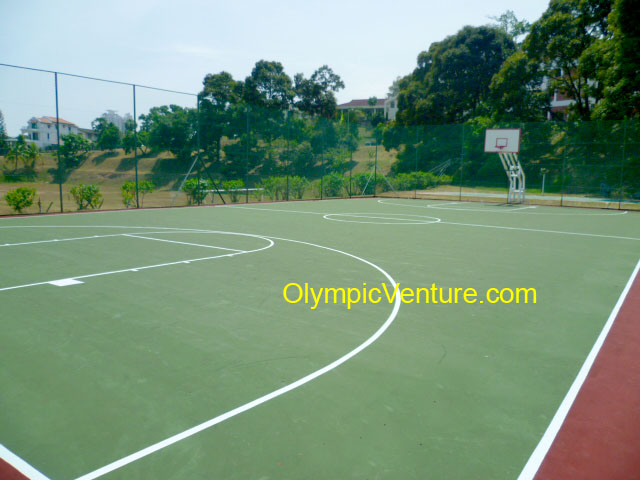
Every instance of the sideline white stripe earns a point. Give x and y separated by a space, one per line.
533 464
512 210
20 465
539 230
265 398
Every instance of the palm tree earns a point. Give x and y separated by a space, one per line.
31 156
15 154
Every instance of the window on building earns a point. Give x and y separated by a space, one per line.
34 136
34 125
47 136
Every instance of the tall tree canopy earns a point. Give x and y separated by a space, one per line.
620 63
452 78
316 95
562 43
269 86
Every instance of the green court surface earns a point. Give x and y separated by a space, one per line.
163 320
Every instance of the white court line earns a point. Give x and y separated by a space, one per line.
440 207
92 237
136 235
560 232
273 209
134 269
533 464
265 398
512 210
20 465
146 267
403 220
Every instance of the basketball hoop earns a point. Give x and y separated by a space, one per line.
506 143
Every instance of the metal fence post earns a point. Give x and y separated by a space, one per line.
415 169
135 145
60 166
246 164
461 163
624 154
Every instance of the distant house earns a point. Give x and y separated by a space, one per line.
363 105
390 108
42 131
561 101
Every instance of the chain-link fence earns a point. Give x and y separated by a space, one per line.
73 145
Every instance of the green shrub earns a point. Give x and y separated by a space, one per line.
334 185
87 196
233 188
415 180
361 181
197 190
20 198
297 186
274 187
129 192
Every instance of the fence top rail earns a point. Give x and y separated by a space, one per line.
98 79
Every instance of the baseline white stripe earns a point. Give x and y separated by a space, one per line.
265 398
533 464
272 209
20 465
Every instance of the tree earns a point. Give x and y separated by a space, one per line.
619 66
4 147
31 156
451 81
317 94
220 97
516 91
109 138
99 125
269 86
74 149
561 42
510 24
171 128
17 152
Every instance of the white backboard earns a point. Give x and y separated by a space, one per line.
505 140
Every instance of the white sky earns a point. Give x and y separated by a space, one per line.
175 44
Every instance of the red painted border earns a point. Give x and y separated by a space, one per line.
8 472
600 438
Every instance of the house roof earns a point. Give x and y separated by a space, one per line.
53 120
362 103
